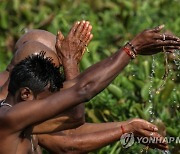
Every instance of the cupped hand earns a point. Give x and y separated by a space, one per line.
73 46
142 128
151 41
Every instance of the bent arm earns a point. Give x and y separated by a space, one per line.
71 118
99 76
88 84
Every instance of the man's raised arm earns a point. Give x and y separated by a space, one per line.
89 83
73 117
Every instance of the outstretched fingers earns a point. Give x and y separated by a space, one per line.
74 28
166 37
149 126
85 30
170 49
87 42
85 36
80 28
89 39
59 39
167 43
155 140
157 29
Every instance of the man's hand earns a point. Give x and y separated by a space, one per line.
73 46
151 41
142 128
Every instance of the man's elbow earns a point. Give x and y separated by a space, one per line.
87 91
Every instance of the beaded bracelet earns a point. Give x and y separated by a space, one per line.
132 47
129 52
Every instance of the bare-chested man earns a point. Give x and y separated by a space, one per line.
176 43
41 36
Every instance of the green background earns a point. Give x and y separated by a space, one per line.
114 23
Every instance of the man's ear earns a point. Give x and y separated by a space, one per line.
26 94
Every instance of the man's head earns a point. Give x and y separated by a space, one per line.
33 76
29 48
42 36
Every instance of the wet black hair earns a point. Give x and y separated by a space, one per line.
35 72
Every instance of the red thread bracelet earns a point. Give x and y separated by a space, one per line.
122 129
129 52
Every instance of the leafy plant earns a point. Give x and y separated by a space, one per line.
114 22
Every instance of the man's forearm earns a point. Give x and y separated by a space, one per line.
90 83
83 142
71 69
93 127
99 76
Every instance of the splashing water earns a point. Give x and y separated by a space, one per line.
150 90
87 50
166 73
176 59
176 55
166 152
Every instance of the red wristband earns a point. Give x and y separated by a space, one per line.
122 129
129 52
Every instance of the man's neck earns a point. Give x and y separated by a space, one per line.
10 99
4 90
3 77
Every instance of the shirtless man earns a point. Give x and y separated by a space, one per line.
38 39
41 36
89 137
114 64
54 81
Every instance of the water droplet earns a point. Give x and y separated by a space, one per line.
166 152
157 92
150 112
152 120
87 49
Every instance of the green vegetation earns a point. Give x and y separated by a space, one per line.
114 22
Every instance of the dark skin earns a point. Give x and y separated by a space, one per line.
21 54
58 144
87 129
43 40
87 37
90 89
96 137
3 78
37 35
25 50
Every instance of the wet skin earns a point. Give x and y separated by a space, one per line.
88 132
124 56
21 54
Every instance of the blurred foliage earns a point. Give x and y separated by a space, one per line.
114 22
